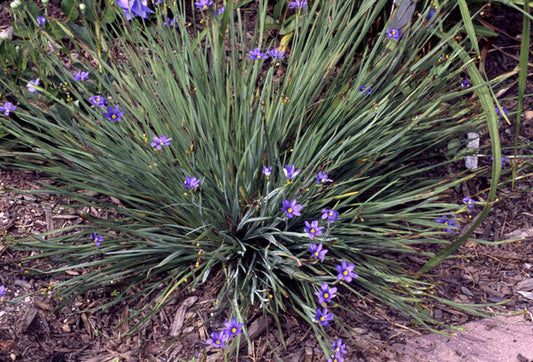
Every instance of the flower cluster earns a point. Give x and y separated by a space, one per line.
133 8
257 54
219 339
203 4
297 4
81 76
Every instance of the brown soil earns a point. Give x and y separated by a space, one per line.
32 330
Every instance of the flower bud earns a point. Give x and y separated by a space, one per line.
82 8
15 4
45 2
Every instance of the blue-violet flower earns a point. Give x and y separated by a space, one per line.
393 34
368 90
323 316
322 178
470 202
331 215
217 340
203 4
160 141
326 293
81 76
41 20
318 252
96 239
113 114
450 223
291 208
290 171
313 229
465 84
98 101
338 347
30 85
2 290
297 4
191 182
267 171
134 7
233 328
257 54
7 108
276 54
501 111
336 358
346 271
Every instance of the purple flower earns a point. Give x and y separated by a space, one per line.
233 328
318 252
367 92
220 11
465 83
96 239
336 358
98 101
203 4
326 293
113 114
346 271
501 111
275 54
338 347
256 54
469 202
31 85
41 20
7 108
298 4
157 2
81 76
393 34
170 22
450 223
217 340
290 172
2 290
191 182
134 7
313 229
331 215
291 208
323 316
267 170
160 141
322 178
430 14
503 160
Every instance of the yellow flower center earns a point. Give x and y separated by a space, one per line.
258 56
312 231
322 319
345 272
289 210
326 295
316 253
114 116
217 341
234 330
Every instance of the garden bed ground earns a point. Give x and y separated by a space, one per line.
32 331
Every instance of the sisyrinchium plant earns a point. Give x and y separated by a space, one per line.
295 173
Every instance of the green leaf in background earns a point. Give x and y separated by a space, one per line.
69 7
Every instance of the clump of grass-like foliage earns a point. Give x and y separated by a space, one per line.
373 111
